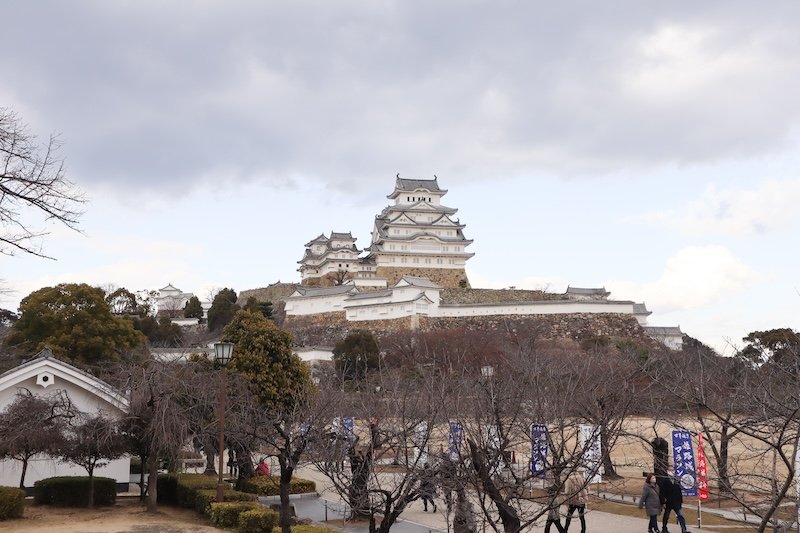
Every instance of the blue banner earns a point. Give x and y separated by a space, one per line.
538 450
454 440
347 424
683 461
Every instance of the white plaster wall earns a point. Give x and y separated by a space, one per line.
310 306
42 467
315 354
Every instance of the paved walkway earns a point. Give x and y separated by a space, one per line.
416 520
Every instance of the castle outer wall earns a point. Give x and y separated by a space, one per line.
448 278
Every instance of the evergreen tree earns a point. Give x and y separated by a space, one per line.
193 308
222 309
75 322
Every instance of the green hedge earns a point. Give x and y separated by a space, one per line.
180 489
12 503
270 485
203 498
226 514
73 491
259 520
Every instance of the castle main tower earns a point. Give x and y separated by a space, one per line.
418 236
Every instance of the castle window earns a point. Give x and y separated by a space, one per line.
416 259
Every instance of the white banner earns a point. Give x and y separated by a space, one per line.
590 441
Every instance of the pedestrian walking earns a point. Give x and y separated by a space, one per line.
673 501
651 502
577 494
554 511
427 488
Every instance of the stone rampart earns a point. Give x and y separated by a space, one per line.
326 329
444 277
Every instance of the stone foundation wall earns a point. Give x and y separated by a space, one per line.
445 277
274 293
329 328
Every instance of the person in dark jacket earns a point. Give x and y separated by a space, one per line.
651 502
673 501
427 488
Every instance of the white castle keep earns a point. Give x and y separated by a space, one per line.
418 251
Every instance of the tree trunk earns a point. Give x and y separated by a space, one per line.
360 466
508 515
722 462
286 504
91 488
142 468
608 466
211 453
152 483
24 470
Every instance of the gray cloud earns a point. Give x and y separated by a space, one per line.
155 93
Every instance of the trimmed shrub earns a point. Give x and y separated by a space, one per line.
226 514
308 528
12 503
259 520
270 485
203 498
73 491
180 489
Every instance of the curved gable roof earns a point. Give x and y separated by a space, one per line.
44 361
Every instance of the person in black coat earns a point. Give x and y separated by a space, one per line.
673 501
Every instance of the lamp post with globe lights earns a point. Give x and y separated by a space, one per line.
222 356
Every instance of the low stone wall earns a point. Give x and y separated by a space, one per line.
486 296
444 277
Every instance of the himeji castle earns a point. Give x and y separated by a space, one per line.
415 236
415 261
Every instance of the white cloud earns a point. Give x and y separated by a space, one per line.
694 277
737 212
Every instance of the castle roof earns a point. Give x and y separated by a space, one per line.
370 294
342 236
663 330
641 309
418 282
402 185
312 292
581 291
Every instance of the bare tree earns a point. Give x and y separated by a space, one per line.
31 425
91 443
752 405
377 466
32 180
163 399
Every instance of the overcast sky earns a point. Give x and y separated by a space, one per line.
651 148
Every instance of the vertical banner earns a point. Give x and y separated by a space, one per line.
538 450
702 470
683 461
590 440
494 445
347 429
420 440
454 440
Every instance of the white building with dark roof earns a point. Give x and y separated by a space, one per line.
326 256
417 230
45 375
416 235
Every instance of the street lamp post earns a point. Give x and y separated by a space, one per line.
222 355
